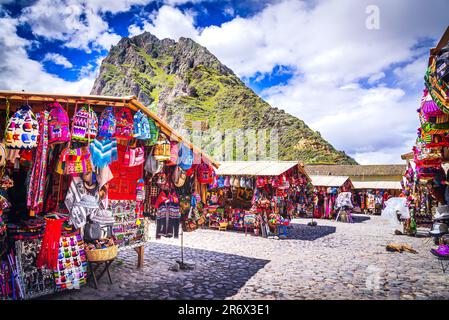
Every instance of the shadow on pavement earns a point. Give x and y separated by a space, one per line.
309 233
360 218
215 276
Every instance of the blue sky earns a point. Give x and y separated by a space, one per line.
358 86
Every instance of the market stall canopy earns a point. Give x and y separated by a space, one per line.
329 181
257 168
102 101
385 185
407 156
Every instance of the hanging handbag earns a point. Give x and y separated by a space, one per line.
174 150
236 182
74 161
134 157
152 165
58 124
92 231
185 157
162 149
242 182
227 181
179 177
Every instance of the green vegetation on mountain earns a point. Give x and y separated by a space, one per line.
189 87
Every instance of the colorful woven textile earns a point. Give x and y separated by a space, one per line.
35 199
84 125
71 270
103 152
48 255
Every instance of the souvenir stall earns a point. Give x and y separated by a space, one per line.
81 178
257 197
325 193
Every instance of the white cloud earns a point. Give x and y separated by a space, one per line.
58 59
329 46
78 23
376 77
106 40
168 22
19 72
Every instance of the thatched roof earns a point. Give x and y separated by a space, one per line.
356 170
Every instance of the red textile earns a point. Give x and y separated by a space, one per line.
123 185
48 256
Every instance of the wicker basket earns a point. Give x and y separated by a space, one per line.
105 254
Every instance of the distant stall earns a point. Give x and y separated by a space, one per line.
370 196
257 196
326 190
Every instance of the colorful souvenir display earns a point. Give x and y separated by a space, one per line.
249 202
90 194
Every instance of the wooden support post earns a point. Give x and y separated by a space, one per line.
140 255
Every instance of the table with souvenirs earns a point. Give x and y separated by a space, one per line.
257 205
79 183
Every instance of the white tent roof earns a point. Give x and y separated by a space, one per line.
254 168
328 181
377 185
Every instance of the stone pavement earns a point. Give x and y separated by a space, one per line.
333 260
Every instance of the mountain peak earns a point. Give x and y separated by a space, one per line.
186 84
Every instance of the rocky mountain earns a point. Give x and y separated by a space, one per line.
190 88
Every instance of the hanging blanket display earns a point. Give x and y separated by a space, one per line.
128 228
38 175
71 270
36 281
